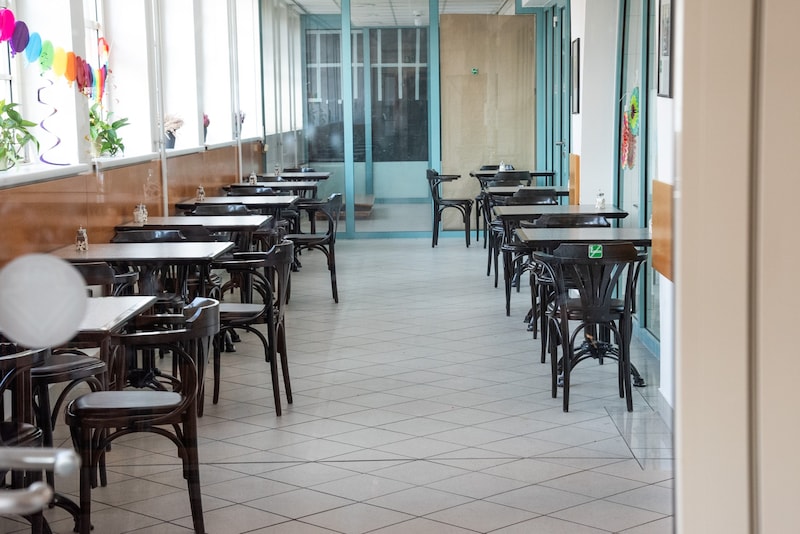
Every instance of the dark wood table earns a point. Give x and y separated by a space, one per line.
301 188
506 191
149 257
268 204
550 238
533 211
283 185
297 175
487 175
215 223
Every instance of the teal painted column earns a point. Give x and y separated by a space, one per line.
434 89
347 118
369 175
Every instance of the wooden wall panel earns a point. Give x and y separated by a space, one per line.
489 116
45 216
662 228
574 178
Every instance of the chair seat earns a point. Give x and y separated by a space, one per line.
142 402
229 311
64 367
13 434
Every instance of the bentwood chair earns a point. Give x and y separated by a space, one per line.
541 284
263 302
96 419
17 428
480 198
597 322
463 205
324 242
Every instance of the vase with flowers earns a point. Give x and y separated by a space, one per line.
171 125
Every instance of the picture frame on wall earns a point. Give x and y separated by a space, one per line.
575 73
665 48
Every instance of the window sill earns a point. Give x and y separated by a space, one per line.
34 173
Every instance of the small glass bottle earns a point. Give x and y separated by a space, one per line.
253 179
277 172
138 216
81 240
600 201
201 193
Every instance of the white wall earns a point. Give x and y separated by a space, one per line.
577 31
596 144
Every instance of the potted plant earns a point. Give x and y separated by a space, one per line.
171 125
103 133
14 135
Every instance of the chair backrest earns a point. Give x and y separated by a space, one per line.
279 261
490 167
512 178
596 272
148 236
333 210
15 380
433 184
190 342
533 196
572 220
98 273
221 209
250 190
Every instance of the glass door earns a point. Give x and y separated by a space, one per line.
557 88
390 118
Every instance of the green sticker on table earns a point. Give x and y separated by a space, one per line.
595 251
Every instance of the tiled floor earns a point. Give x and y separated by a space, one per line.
419 407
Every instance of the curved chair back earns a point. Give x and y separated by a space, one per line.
533 196
433 184
553 220
595 271
148 236
250 190
511 178
221 209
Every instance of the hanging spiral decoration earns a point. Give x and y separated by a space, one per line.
43 127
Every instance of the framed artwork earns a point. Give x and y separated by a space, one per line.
575 72
665 48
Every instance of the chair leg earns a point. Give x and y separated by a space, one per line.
435 232
287 386
332 269
191 471
467 215
273 372
220 339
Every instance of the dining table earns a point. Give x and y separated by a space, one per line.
149 257
241 226
295 176
266 204
485 176
550 238
301 188
509 190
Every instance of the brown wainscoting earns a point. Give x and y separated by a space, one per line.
45 216
662 228
575 179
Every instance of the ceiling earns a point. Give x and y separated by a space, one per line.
372 13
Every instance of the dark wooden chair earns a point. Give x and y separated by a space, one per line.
96 419
463 205
17 427
263 302
597 323
221 209
324 242
541 284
